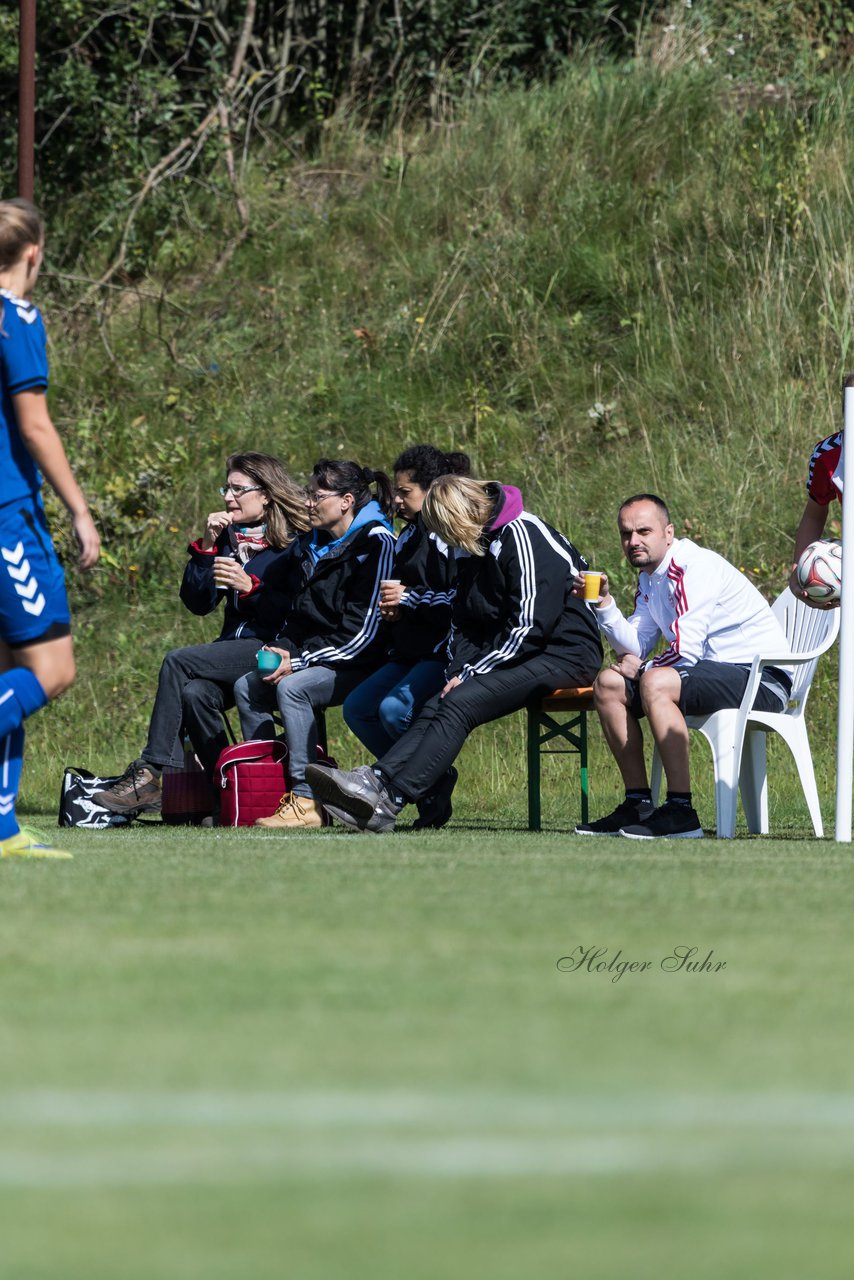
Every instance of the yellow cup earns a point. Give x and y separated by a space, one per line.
592 583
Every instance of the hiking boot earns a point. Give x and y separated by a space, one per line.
358 793
295 811
138 790
671 821
435 809
630 811
26 844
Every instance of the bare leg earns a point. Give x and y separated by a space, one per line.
660 689
52 663
622 731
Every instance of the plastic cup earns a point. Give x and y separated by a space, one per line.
268 661
389 582
592 583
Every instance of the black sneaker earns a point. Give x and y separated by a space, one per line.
630 811
670 822
435 809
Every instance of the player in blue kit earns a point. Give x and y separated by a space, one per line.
36 656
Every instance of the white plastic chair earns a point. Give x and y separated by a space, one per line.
737 737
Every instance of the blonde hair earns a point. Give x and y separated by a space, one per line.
286 515
457 508
20 226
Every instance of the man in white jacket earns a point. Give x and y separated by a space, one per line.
714 622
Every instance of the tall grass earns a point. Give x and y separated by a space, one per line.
627 280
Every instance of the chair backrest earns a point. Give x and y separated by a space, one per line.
807 630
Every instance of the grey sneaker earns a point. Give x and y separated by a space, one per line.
138 790
357 792
380 821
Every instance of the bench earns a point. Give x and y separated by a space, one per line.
543 728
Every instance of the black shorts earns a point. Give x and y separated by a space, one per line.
715 686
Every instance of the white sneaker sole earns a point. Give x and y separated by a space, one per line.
699 834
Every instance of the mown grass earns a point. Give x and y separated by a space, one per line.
237 1053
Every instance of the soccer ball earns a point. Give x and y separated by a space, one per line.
819 571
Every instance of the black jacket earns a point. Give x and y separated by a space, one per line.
334 618
257 614
515 601
427 569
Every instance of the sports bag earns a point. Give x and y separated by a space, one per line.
252 778
187 796
78 809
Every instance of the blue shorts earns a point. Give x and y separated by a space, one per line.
33 602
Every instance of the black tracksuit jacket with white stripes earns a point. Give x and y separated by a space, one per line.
427 570
516 601
334 617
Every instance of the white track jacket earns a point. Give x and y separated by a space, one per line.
702 606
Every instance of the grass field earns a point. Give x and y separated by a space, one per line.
241 1054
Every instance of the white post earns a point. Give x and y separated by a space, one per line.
845 726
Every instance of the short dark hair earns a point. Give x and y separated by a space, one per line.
647 497
426 462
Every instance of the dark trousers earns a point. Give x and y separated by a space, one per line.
432 743
196 686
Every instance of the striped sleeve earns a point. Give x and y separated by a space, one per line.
361 621
522 594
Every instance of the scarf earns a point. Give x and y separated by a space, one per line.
246 539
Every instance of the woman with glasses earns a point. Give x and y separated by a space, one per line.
248 560
332 636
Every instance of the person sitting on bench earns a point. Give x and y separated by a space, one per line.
518 632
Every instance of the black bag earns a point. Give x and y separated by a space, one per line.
78 809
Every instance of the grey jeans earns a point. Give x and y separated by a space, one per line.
296 697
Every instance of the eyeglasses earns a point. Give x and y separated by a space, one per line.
314 499
238 490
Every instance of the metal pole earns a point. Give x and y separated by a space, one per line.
845 726
26 98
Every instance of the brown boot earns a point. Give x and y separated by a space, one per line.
295 811
138 790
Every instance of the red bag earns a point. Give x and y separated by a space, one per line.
188 797
252 777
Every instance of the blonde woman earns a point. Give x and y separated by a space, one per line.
517 633
247 559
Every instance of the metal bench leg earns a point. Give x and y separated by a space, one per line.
533 734
582 751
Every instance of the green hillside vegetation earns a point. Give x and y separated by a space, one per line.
635 277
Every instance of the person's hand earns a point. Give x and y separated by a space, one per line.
391 593
389 612
452 684
229 573
216 522
798 591
628 665
604 589
284 668
88 539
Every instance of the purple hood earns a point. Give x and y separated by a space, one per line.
508 505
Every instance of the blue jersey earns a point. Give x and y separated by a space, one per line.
23 367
